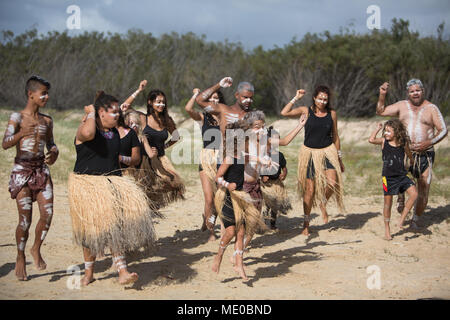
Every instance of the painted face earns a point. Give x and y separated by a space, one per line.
245 99
40 96
214 98
388 133
258 125
415 94
110 116
321 100
159 104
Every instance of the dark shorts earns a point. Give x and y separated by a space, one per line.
421 162
200 168
310 171
395 185
228 212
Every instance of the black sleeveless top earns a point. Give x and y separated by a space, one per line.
211 140
235 173
128 142
99 156
393 160
318 131
156 138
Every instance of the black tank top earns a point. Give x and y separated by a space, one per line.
318 131
99 156
210 126
235 173
156 138
127 143
393 160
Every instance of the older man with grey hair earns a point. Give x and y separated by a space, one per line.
426 127
228 114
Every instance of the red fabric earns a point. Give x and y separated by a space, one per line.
34 174
254 189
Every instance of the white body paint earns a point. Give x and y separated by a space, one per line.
28 145
248 100
48 192
22 244
231 117
25 203
49 208
441 120
16 117
24 224
44 233
10 130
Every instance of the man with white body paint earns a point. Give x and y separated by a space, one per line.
228 114
426 127
31 131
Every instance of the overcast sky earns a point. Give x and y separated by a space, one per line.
252 22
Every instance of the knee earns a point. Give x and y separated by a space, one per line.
24 223
413 194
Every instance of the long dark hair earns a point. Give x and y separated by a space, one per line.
164 119
121 120
400 133
324 89
221 97
103 101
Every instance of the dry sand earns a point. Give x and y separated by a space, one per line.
331 264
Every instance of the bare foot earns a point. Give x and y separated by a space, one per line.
241 272
212 237
125 277
38 261
400 224
21 272
305 231
387 237
87 279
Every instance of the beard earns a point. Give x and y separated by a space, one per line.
417 102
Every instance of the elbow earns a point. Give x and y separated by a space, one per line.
283 113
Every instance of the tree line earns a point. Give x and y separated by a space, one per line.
352 65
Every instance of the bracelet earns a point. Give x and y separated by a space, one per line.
339 153
135 93
294 99
195 95
91 115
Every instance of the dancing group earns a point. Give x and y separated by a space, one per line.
122 177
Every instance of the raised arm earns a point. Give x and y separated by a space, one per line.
86 130
373 137
202 98
195 115
389 111
128 102
291 135
287 110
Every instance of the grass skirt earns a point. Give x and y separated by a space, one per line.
320 180
275 196
109 212
245 211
